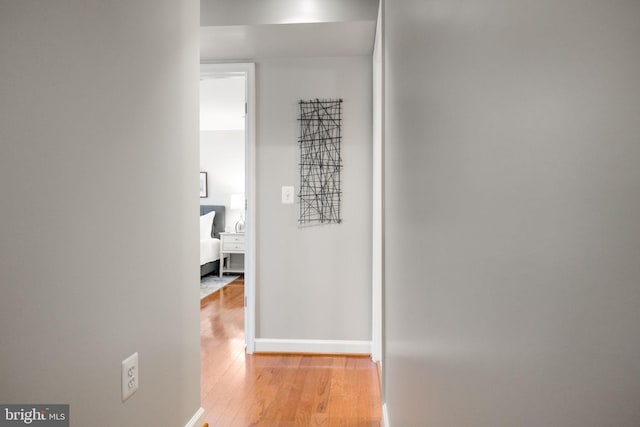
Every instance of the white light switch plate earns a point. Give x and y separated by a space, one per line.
130 376
287 195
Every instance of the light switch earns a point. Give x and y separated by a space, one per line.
287 195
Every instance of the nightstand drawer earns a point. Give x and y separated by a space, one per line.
234 238
232 250
231 246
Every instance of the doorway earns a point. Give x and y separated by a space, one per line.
235 74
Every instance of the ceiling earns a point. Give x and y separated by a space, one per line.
250 29
257 12
287 40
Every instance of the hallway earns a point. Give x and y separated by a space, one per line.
277 389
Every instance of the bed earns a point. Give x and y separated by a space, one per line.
212 222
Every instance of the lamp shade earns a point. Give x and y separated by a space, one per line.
237 201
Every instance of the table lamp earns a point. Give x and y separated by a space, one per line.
237 203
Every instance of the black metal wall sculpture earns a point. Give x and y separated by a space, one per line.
320 161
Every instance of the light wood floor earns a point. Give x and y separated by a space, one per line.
277 390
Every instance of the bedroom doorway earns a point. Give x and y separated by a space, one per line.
227 162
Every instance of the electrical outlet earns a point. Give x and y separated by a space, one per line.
130 376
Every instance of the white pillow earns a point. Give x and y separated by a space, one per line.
206 225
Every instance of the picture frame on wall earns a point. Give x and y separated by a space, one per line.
203 185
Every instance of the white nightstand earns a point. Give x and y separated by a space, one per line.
231 244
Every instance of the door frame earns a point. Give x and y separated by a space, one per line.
248 70
377 263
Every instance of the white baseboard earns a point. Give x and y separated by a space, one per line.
274 345
195 420
385 415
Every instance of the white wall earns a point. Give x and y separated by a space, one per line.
313 282
513 267
99 189
222 102
222 157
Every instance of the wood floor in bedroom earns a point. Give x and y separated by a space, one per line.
281 389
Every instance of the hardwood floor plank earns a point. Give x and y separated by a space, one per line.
277 389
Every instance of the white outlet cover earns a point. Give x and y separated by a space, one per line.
130 376
287 195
